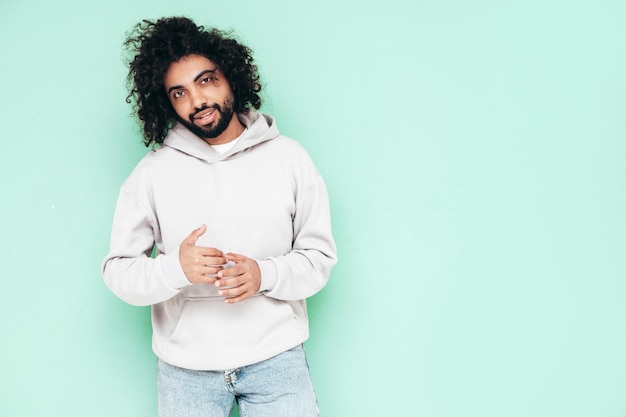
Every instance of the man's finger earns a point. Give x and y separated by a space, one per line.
193 236
235 257
239 298
210 253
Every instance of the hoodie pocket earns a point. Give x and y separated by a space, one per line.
211 334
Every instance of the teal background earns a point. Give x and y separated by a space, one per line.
474 154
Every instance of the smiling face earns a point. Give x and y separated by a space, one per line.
202 99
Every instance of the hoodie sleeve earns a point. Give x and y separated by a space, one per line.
129 270
305 270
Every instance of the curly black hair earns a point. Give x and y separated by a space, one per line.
154 45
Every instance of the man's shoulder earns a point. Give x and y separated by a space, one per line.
292 154
286 144
153 161
157 156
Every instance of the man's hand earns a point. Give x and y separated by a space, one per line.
200 264
240 281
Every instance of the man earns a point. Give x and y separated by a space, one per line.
240 220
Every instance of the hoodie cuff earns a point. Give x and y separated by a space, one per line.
269 274
172 271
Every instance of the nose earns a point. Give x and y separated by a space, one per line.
198 100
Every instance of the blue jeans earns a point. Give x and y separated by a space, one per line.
277 387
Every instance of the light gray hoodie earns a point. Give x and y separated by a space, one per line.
263 199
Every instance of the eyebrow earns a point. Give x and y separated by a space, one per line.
206 71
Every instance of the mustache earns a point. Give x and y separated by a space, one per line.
205 107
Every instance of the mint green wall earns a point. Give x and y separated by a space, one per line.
475 154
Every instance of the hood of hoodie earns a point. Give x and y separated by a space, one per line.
259 128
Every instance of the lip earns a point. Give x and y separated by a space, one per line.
205 117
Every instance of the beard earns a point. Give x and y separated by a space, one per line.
212 130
